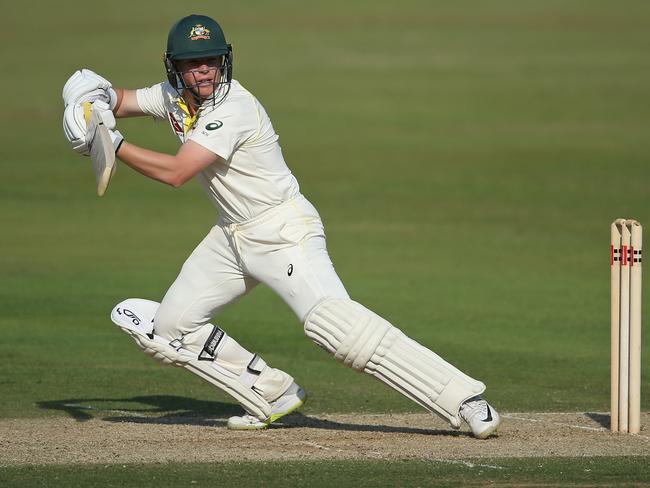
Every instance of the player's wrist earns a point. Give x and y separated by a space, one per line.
116 138
113 99
119 144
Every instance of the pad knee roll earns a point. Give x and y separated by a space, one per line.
364 341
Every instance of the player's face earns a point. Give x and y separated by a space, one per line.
201 74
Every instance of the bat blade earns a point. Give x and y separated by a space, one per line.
102 152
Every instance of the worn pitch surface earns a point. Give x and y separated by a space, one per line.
332 436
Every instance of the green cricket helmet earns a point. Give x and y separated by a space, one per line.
198 37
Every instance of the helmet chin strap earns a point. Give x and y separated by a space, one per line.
193 100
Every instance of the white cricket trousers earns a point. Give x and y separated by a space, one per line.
283 248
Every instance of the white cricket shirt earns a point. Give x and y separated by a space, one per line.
254 176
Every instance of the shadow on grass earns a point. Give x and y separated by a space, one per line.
156 408
174 410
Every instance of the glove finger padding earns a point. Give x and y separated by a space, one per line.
74 128
95 96
108 118
86 85
82 82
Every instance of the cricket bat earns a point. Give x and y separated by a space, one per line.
102 152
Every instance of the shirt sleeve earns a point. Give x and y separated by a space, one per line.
224 131
152 101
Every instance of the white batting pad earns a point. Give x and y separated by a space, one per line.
361 339
135 317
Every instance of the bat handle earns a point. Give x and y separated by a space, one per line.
88 109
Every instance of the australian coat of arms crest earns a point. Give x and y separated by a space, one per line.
199 32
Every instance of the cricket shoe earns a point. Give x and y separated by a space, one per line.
290 400
480 416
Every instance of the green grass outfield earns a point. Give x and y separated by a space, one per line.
615 472
467 161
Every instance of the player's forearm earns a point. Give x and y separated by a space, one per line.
127 104
158 166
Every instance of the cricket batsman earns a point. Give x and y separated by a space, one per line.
267 232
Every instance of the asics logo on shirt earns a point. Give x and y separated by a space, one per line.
214 125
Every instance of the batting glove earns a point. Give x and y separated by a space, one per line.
74 128
108 119
87 86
